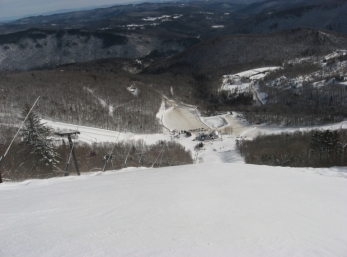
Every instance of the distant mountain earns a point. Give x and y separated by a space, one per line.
242 49
48 48
276 5
272 16
161 30
115 16
15 18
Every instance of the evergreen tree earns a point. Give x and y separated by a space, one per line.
37 138
327 145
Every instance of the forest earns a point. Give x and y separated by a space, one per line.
316 148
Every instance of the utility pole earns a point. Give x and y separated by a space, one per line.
68 134
109 156
140 158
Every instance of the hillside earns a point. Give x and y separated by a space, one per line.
161 30
275 17
39 48
193 18
195 210
259 49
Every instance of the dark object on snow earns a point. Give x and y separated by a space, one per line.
340 78
199 146
211 136
188 133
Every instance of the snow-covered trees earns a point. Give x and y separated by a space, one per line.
36 138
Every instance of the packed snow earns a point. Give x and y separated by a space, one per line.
194 210
214 121
182 118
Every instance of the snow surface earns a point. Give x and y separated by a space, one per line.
257 71
193 210
180 118
95 135
218 26
163 18
214 121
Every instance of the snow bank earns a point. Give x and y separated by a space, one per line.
195 210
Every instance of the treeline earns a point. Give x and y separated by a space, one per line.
300 149
282 115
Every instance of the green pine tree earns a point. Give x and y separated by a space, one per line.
38 140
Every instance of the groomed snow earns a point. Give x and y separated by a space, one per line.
214 121
182 119
194 210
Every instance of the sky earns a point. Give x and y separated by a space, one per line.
22 8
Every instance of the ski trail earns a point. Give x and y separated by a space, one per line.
101 101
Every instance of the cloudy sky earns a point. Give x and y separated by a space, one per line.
16 8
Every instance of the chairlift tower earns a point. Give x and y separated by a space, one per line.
68 134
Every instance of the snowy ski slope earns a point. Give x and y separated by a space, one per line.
194 210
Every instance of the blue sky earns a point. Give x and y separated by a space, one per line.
16 8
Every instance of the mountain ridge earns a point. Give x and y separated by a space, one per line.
246 48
